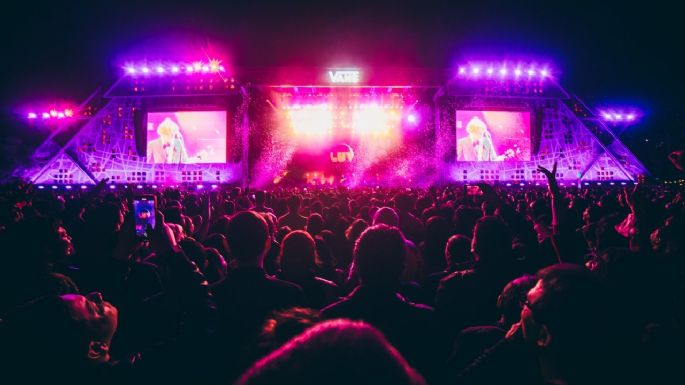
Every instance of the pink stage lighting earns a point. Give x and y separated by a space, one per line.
51 114
411 118
212 66
374 120
311 121
532 69
619 115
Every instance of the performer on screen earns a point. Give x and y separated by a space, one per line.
478 145
169 147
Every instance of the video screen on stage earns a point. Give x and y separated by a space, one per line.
493 136
183 137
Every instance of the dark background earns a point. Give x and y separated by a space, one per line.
609 53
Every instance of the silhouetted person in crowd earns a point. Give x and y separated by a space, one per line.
33 250
298 265
411 226
314 224
469 297
567 335
293 219
247 295
64 337
334 352
379 258
472 341
260 203
457 256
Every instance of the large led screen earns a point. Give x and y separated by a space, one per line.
182 137
493 136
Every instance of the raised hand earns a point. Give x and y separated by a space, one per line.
634 198
549 174
161 236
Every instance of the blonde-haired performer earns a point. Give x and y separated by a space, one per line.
478 145
169 147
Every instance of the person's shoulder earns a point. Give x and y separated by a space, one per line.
281 284
457 277
325 283
337 309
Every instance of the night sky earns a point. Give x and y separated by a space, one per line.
607 52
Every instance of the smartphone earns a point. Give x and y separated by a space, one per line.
144 208
473 190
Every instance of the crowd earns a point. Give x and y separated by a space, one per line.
367 285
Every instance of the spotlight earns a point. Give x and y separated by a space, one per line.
175 69
53 113
189 69
45 115
205 68
60 115
83 187
544 73
54 187
618 116
517 72
222 69
630 117
490 71
145 70
41 187
411 118
68 112
214 186
154 186
130 70
140 186
112 187
503 71
32 115
462 70
475 70
160 70
199 187
607 116
531 72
